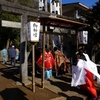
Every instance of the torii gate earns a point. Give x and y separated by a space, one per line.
24 12
45 21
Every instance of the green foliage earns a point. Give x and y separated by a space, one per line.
12 33
96 11
9 33
10 17
29 3
96 20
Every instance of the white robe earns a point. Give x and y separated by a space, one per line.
79 73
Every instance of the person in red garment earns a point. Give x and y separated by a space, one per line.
83 75
49 63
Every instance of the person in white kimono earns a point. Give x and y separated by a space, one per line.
83 75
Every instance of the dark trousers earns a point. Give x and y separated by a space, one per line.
61 70
13 61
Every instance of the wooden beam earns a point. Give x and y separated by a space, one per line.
19 9
12 24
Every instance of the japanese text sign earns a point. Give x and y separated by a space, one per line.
83 37
33 31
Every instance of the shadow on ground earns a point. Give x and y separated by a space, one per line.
13 94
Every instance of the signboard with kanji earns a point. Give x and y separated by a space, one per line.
33 31
83 37
41 5
55 7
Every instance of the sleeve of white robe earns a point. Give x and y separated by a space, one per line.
78 76
91 66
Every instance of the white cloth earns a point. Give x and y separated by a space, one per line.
78 76
91 66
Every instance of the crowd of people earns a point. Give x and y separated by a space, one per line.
10 55
55 60
84 70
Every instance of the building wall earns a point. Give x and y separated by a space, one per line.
70 13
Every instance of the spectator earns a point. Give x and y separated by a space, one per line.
12 54
17 54
4 55
9 59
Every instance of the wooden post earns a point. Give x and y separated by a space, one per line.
46 8
60 7
76 40
43 57
33 67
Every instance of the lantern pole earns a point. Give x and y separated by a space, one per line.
43 57
33 30
33 67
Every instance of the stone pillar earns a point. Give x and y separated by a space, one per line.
23 51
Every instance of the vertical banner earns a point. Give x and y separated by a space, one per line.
52 6
33 31
55 7
83 37
41 5
58 7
